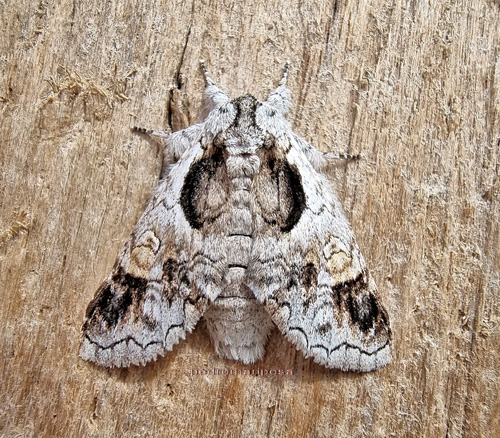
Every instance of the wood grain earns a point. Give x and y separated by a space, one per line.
413 86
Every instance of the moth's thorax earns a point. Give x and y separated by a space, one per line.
241 143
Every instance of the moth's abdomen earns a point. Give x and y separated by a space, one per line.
238 325
239 328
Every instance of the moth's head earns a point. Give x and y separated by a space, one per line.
278 100
238 128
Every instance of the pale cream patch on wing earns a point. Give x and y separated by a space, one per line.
340 260
144 254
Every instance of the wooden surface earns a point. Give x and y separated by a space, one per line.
413 86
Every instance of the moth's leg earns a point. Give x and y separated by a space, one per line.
332 156
169 151
153 132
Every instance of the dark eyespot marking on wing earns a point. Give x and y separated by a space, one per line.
279 192
202 196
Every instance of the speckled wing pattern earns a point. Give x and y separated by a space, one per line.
244 230
150 298
310 274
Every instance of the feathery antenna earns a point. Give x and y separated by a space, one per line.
205 72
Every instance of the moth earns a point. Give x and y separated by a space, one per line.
244 230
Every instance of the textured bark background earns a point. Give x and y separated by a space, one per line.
413 86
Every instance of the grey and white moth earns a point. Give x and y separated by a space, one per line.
244 230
